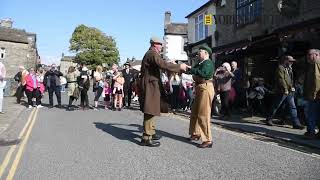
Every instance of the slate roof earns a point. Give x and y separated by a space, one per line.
200 8
176 28
13 35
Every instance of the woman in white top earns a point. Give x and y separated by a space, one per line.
63 82
2 83
99 84
175 82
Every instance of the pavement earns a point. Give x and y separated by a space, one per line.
256 125
13 112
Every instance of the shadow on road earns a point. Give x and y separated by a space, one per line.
284 139
124 133
118 132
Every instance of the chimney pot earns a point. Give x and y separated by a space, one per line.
167 18
6 23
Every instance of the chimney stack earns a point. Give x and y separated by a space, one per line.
167 19
6 23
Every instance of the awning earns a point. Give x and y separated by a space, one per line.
243 45
231 48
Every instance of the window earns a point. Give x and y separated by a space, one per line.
2 53
201 30
248 11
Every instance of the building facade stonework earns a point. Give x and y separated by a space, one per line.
175 36
198 33
18 48
268 30
66 62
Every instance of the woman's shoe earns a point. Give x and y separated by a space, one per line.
207 144
193 138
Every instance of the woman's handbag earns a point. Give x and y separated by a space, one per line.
76 93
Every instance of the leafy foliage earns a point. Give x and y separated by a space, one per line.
93 47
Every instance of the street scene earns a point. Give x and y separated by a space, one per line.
208 89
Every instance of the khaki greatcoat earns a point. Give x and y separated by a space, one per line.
151 81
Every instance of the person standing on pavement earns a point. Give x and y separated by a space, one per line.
284 87
127 87
63 82
150 87
41 88
224 77
21 87
204 92
2 84
311 91
187 84
52 82
33 89
118 91
99 84
237 84
114 72
175 83
72 78
84 85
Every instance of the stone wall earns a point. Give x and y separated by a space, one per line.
64 66
16 54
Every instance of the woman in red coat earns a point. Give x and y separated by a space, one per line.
33 89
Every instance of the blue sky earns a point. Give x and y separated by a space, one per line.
130 22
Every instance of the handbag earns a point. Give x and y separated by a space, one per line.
76 93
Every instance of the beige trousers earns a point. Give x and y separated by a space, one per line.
200 120
148 126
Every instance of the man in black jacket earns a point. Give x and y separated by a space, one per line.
127 87
52 82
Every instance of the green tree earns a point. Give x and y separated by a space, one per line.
93 47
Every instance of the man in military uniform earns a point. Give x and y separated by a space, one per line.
204 93
150 85
128 75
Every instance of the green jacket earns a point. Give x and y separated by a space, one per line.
311 88
204 70
283 81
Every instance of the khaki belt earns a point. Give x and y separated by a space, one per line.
203 82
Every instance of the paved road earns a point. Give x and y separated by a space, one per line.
105 145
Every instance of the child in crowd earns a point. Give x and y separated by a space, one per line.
118 90
107 93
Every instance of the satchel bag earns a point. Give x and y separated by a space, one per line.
76 93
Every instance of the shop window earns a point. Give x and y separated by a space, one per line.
2 53
248 11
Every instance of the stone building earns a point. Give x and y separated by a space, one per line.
18 47
175 36
256 33
66 62
199 33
